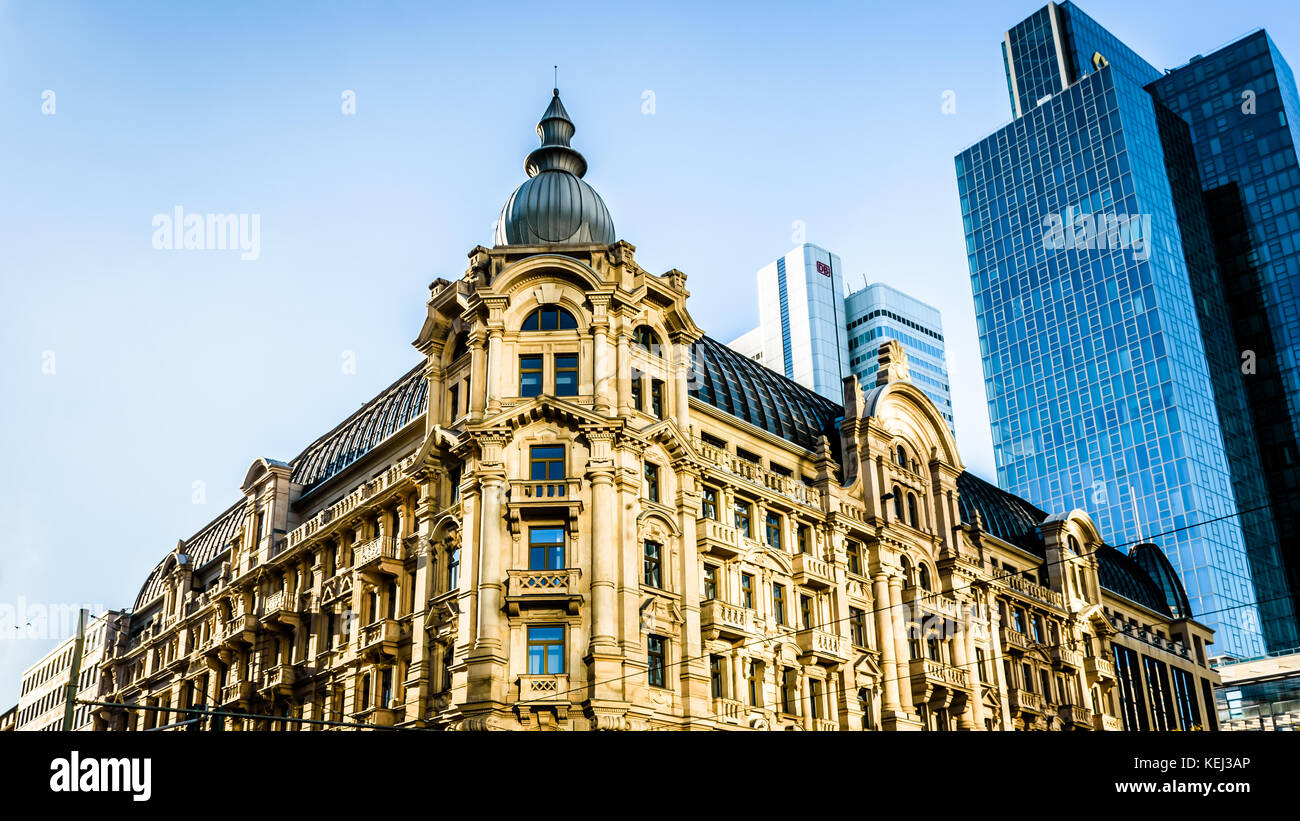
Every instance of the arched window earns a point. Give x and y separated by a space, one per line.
645 338
923 576
912 518
900 456
898 502
907 572
459 346
550 318
1074 546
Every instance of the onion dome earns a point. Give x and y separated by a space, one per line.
554 206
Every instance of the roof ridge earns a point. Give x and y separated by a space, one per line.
358 412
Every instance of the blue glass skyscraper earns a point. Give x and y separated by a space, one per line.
1109 357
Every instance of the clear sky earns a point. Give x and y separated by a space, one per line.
129 374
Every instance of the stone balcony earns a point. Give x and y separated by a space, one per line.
1033 590
822 725
278 680
283 609
725 621
1107 723
544 497
1072 715
1014 640
543 693
812 572
820 647
379 638
1099 669
381 556
544 588
237 695
239 630
1065 657
1023 701
730 711
787 486
717 539
939 684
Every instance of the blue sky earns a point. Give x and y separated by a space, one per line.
177 367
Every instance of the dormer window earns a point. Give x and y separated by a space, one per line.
645 338
550 318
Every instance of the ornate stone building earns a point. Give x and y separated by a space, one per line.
580 512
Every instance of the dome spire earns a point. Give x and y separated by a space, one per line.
555 154
554 206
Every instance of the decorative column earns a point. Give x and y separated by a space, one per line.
494 369
885 638
682 365
490 574
624 375
902 651
972 659
961 656
805 699
604 549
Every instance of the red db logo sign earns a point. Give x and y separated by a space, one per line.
823 269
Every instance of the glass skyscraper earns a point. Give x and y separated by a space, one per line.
1107 340
878 312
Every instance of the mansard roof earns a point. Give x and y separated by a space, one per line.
735 384
396 406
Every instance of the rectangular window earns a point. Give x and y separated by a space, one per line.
858 626
747 590
778 604
453 400
979 665
1019 618
710 582
530 375
652 481
715 676
743 512
546 462
789 691
1038 628
854 551
753 680
654 564
636 391
657 657
773 531
453 567
545 651
803 535
806 611
709 503
657 398
566 374
546 548
815 698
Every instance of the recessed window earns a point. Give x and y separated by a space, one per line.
654 564
773 531
912 518
747 590
645 338
898 502
453 402
546 548
566 374
778 604
453 566
636 392
546 462
806 611
530 375
657 398
744 514
545 651
858 626
657 660
854 551
709 503
710 582
754 682
550 318
715 676
652 481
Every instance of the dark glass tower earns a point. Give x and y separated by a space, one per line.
1109 357
1244 116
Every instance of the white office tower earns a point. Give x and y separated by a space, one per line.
801 320
879 312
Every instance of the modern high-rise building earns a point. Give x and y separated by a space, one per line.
877 313
1112 371
801 319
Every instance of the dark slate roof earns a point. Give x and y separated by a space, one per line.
1157 565
740 386
395 407
1004 514
1123 575
201 548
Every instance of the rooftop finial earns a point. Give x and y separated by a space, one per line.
555 153
555 90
